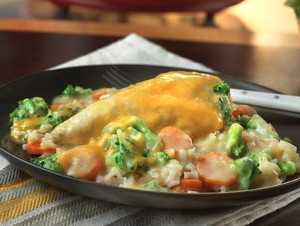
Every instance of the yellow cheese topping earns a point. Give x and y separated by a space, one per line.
181 99
28 123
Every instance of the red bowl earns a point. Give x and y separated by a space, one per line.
151 5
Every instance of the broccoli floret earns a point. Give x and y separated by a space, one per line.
222 88
118 159
243 120
224 106
287 139
55 118
287 168
29 107
259 126
124 154
162 157
247 170
48 162
235 140
154 186
262 155
77 91
152 141
131 145
223 102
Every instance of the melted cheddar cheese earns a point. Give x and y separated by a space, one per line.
181 99
28 123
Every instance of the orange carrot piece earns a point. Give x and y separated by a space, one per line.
214 169
34 148
84 161
188 185
54 107
243 110
174 138
100 92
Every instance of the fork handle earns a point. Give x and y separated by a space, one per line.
269 100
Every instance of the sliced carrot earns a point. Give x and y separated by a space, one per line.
34 148
54 107
214 169
188 185
174 138
243 110
84 161
100 92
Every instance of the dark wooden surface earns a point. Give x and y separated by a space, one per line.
22 54
27 53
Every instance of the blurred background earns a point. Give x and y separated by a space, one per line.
270 16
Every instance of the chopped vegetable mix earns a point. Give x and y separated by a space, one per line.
55 118
245 153
33 107
48 162
131 145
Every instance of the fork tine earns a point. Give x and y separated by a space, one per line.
124 74
117 77
114 82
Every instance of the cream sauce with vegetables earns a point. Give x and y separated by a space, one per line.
178 132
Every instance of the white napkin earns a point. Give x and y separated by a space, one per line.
3 163
134 49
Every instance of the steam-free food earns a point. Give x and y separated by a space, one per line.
178 132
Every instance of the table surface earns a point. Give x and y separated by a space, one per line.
25 53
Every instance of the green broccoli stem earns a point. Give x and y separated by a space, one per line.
154 186
287 168
223 102
259 126
77 91
48 162
247 170
235 140
243 120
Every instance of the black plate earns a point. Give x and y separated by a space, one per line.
50 83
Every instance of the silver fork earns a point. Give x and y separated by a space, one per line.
118 78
